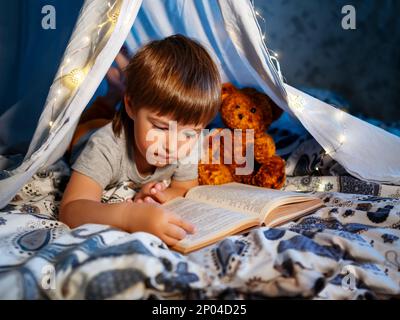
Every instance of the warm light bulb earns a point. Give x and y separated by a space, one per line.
114 17
74 78
339 115
297 102
51 124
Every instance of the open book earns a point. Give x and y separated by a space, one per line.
220 211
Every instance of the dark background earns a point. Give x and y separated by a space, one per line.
362 65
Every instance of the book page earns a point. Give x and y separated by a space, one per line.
210 221
288 212
247 199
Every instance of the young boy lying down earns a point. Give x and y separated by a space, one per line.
171 81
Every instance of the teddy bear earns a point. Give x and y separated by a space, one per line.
243 109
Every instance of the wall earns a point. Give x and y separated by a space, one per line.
362 65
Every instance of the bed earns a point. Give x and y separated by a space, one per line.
349 249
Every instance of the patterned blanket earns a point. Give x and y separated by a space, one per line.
348 250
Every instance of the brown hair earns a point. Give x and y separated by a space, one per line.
173 77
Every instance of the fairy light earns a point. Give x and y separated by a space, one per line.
341 139
72 78
114 17
273 55
329 152
298 103
339 115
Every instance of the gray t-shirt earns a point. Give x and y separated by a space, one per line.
106 160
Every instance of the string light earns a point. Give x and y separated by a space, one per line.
73 78
331 151
339 115
297 102
86 39
114 17
273 55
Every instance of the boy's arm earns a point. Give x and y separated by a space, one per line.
177 189
156 191
81 204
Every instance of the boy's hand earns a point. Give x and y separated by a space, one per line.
153 218
151 192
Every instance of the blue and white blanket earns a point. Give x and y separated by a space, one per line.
348 250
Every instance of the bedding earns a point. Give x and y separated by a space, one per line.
348 250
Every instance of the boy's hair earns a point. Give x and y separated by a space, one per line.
173 77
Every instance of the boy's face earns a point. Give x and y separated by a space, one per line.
161 140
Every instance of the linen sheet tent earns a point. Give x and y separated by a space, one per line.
230 31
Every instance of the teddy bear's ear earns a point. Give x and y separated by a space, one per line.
227 89
276 112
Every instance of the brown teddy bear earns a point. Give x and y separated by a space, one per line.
244 109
